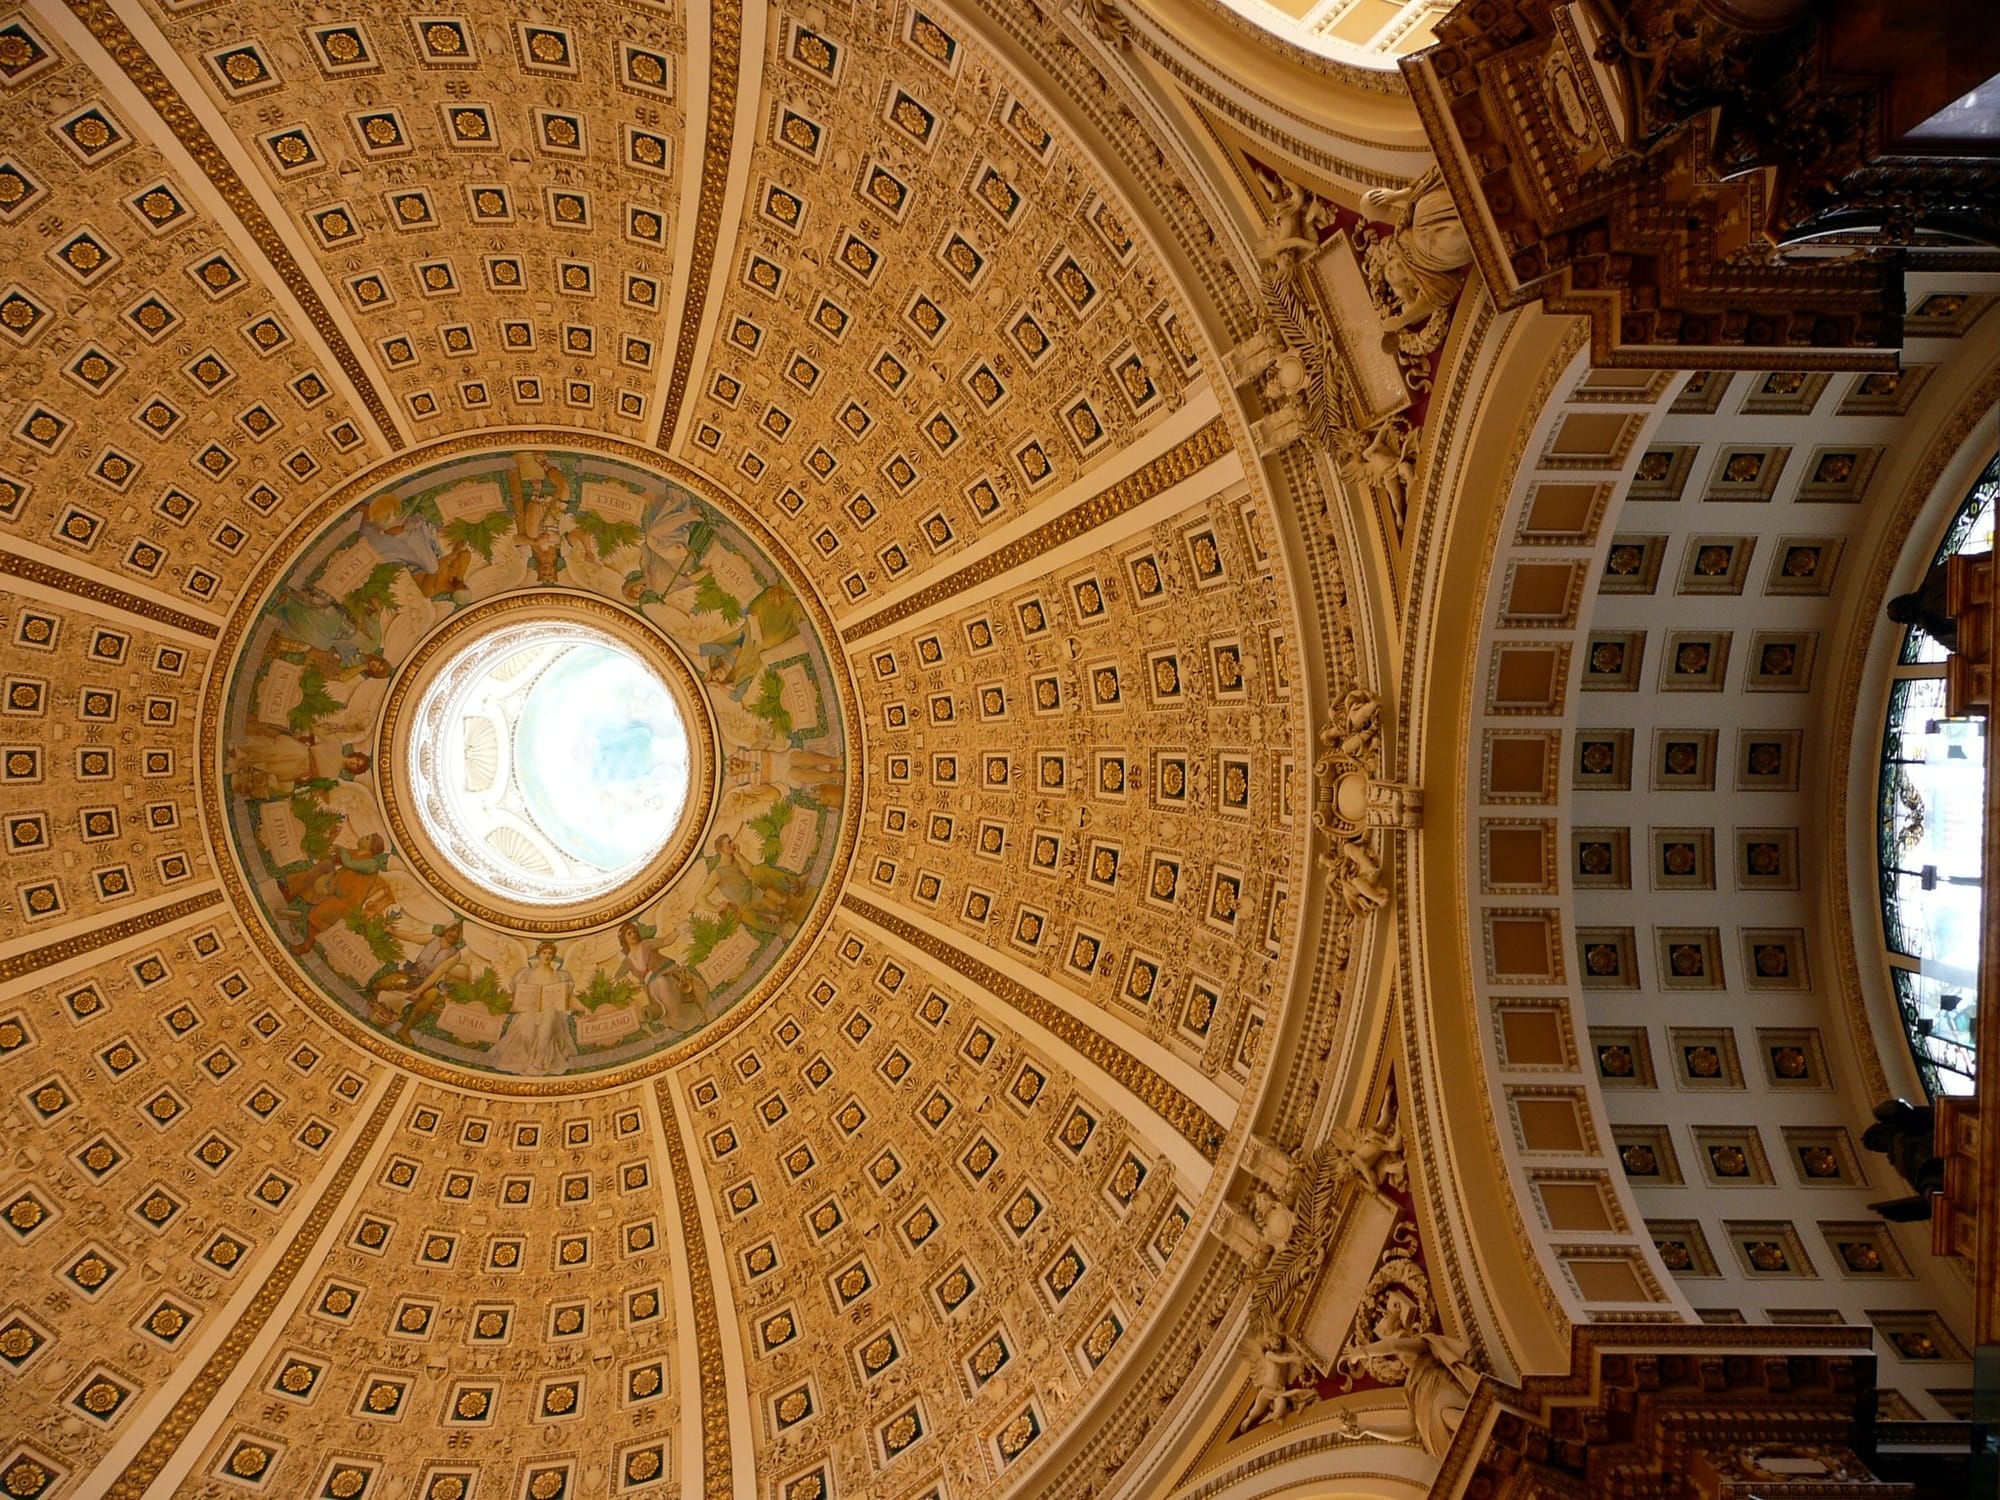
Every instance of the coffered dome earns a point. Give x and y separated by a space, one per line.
847 749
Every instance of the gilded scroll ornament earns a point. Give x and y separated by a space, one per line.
1355 309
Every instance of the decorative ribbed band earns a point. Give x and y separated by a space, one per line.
48 576
51 954
1184 460
718 1480
725 51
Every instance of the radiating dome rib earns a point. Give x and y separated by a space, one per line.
520 664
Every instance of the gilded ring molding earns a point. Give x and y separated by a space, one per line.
657 651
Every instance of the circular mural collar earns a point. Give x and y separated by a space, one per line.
533 763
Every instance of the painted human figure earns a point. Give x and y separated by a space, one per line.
671 543
816 777
545 553
270 763
770 621
538 1041
421 980
332 667
544 490
397 533
765 899
307 621
677 997
346 883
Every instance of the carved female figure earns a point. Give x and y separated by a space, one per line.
1438 1377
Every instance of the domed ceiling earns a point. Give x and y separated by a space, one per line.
670 745
715 736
